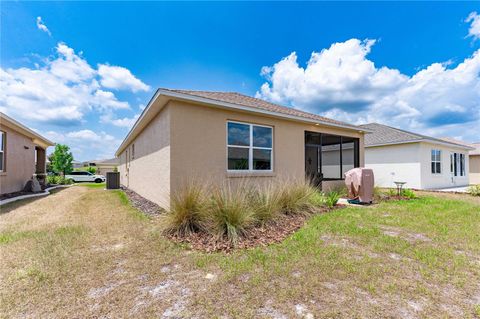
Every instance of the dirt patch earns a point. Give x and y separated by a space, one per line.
272 232
143 204
411 237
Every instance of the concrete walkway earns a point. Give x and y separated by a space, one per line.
462 189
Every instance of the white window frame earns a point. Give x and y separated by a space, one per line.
435 161
250 149
3 136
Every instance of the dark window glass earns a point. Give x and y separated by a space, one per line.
331 156
262 159
433 167
455 161
312 138
238 134
439 170
238 158
262 136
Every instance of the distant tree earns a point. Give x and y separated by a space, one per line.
61 159
92 169
49 164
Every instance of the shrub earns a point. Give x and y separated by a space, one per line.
474 190
91 169
187 211
332 198
391 192
296 197
52 179
265 202
408 193
230 213
318 199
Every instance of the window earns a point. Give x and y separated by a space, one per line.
457 164
249 147
133 151
462 164
436 164
2 150
331 156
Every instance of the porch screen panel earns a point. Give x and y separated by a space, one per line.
331 156
349 149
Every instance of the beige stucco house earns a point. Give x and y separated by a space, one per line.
474 156
103 166
22 154
219 137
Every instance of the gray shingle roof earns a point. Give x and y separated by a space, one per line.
383 134
245 100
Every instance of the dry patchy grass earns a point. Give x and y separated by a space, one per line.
84 252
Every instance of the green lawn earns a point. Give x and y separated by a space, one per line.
85 252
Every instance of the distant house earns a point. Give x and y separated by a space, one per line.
421 161
103 166
22 154
223 137
474 160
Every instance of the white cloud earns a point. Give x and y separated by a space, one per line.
117 77
474 30
342 83
41 26
126 122
61 91
87 144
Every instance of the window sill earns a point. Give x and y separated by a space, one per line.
3 173
250 174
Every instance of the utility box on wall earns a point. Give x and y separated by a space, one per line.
113 180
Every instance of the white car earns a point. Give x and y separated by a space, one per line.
82 176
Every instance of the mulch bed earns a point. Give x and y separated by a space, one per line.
272 232
143 204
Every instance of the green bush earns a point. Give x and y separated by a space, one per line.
230 213
52 179
474 190
187 211
408 193
332 198
91 169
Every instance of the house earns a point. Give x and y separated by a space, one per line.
103 166
474 171
219 137
473 159
22 154
421 161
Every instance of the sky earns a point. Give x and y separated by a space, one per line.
81 73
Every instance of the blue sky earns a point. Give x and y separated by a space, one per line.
80 73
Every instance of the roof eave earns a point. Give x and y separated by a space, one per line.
432 141
36 138
203 100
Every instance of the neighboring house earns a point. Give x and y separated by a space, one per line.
217 137
103 166
421 161
22 154
475 164
474 160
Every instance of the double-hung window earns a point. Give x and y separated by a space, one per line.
2 151
436 162
249 147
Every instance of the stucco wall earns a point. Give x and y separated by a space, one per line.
394 163
474 169
148 172
199 152
445 179
20 162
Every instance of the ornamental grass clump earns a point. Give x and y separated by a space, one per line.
296 197
230 212
266 202
332 198
187 212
